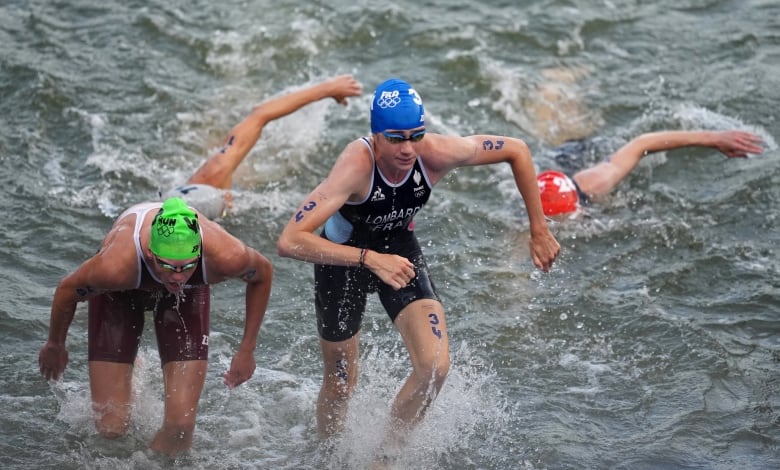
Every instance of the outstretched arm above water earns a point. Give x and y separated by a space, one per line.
218 170
603 177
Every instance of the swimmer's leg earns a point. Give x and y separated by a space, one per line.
115 322
110 385
424 331
340 374
183 382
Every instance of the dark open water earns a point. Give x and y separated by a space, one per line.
654 343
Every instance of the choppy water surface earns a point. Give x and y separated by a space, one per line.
654 343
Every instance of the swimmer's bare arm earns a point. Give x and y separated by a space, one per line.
348 179
110 269
603 177
449 152
218 170
227 257
248 131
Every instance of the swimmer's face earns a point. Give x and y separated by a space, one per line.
175 273
400 147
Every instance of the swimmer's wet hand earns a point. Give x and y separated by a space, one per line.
739 144
52 360
544 250
342 87
241 369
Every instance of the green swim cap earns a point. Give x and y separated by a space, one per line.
175 231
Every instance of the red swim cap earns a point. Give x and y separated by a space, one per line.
558 193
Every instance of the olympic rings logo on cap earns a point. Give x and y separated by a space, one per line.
388 99
396 105
165 225
164 230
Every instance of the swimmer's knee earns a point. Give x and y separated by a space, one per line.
440 372
434 371
342 380
443 369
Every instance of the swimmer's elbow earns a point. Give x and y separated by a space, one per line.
284 247
266 268
294 243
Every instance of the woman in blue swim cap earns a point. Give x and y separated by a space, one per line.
367 206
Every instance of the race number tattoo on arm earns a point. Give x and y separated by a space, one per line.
308 207
84 291
489 145
229 143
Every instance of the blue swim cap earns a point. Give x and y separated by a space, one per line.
396 105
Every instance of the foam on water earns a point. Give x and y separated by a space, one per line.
467 408
269 420
285 147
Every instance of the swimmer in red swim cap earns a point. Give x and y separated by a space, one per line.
563 194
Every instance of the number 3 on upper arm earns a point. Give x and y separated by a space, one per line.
489 145
308 207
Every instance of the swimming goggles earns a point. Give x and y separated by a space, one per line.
395 138
176 268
